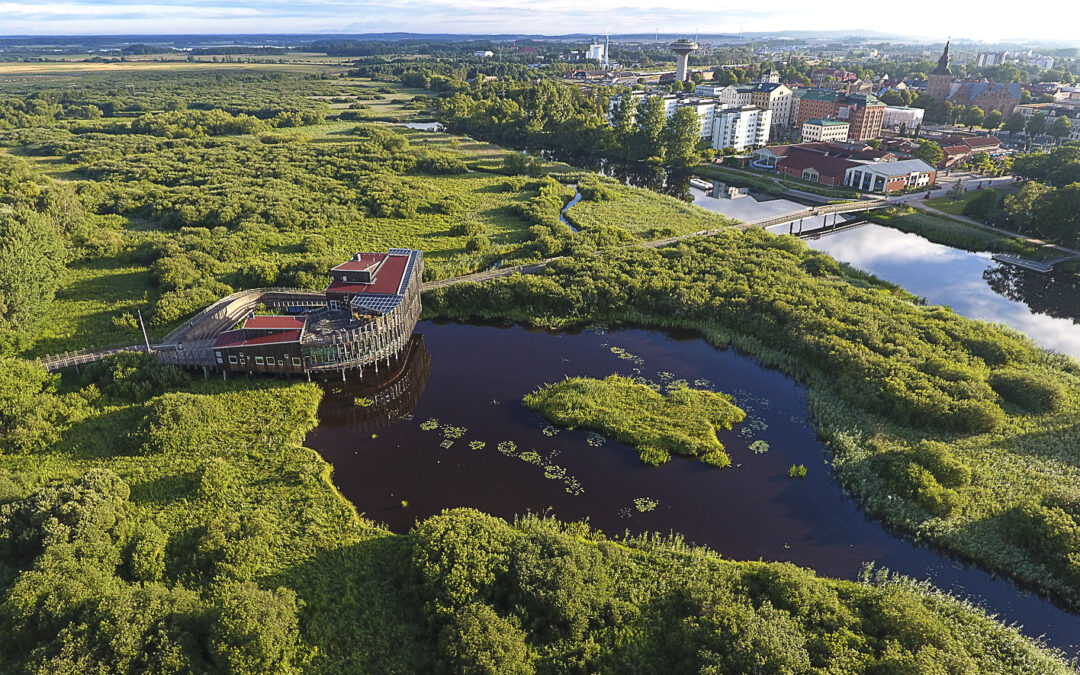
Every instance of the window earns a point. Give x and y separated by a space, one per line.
258 360
296 361
232 359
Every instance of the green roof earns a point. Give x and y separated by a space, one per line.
827 122
820 95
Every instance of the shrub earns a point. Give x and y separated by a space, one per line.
942 463
132 376
148 553
255 630
1027 390
477 641
179 422
478 244
467 228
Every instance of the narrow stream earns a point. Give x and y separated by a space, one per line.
562 214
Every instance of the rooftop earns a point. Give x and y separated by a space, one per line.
900 168
239 338
826 122
274 323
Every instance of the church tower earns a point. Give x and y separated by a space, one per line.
939 83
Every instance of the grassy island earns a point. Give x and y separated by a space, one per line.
684 421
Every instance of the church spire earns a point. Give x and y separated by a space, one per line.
943 62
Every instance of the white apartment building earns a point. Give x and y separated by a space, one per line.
703 107
740 127
894 116
824 130
1045 62
767 95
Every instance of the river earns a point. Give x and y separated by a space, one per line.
1046 307
463 386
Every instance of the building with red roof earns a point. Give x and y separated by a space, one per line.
371 307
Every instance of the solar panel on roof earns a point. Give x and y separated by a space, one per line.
382 304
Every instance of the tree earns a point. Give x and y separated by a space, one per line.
992 120
34 254
1015 123
1060 128
1036 126
650 126
930 152
1021 207
973 116
680 137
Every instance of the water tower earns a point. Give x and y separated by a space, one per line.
682 48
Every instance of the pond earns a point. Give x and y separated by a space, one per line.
423 126
408 447
1044 306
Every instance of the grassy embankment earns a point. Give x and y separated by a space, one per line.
955 233
683 421
957 432
154 522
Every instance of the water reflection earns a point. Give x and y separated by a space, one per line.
1045 307
377 400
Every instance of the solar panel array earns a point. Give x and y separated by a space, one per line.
408 267
381 304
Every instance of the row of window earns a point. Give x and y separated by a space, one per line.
259 360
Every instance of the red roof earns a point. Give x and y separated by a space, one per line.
274 323
798 159
386 280
366 262
236 338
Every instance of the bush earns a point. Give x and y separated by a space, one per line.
477 641
181 422
255 630
478 244
132 376
1029 391
467 228
940 461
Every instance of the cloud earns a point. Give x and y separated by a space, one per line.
553 17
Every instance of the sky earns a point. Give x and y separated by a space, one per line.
978 21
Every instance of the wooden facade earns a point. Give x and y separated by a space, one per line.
366 315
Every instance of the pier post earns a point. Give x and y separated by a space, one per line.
205 373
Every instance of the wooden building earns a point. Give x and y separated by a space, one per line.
371 307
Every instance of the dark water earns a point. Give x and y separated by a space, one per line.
1044 306
473 377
